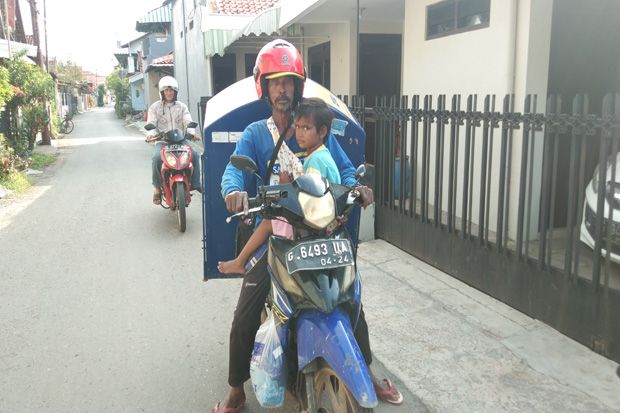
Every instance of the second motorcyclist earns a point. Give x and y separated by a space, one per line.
167 114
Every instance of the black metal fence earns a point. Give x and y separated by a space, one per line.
523 206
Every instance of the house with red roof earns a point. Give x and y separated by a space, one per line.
148 57
215 43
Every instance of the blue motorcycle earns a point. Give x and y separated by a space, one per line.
315 293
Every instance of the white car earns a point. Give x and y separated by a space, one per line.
612 200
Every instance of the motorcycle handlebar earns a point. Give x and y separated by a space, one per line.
242 214
253 202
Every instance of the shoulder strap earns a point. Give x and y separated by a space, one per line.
274 154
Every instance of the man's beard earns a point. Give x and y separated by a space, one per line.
283 104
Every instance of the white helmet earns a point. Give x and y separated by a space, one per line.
168 82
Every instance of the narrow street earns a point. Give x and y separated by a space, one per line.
102 303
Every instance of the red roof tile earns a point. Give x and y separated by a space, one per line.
243 6
167 59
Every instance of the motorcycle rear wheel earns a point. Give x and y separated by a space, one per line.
180 201
330 395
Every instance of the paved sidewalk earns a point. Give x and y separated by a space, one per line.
455 349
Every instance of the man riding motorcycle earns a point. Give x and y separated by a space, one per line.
279 77
167 114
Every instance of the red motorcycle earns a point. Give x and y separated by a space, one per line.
176 170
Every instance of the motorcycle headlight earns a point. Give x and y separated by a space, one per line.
318 211
183 160
171 160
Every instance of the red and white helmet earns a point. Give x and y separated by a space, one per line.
276 59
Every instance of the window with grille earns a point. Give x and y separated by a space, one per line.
456 16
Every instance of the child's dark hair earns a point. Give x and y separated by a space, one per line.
316 110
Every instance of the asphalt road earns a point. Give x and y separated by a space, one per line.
102 303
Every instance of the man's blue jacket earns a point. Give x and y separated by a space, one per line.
257 143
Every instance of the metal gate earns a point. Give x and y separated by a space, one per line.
512 203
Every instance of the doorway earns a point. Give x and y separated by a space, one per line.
224 72
379 72
319 64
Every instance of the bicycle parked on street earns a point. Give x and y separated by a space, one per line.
66 126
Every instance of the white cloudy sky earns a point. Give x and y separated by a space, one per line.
87 31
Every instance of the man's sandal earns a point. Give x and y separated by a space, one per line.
157 199
389 393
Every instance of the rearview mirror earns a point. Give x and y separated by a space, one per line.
244 163
360 171
149 126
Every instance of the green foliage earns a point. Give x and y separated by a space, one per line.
56 121
6 90
120 87
15 181
37 86
100 95
9 161
68 72
41 160
36 89
24 142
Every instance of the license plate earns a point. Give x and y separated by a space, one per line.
314 255
176 147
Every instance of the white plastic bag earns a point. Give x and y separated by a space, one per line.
267 367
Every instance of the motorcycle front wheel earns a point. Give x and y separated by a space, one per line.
325 393
180 201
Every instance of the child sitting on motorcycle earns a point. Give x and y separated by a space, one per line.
313 121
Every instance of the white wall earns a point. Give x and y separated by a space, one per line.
532 53
342 52
476 61
292 9
191 68
151 90
509 56
380 26
342 37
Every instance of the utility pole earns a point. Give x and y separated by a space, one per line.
357 52
34 15
185 53
45 133
7 27
47 60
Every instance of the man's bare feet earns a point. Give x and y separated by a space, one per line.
233 402
231 267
